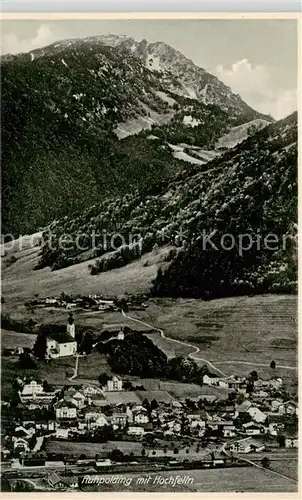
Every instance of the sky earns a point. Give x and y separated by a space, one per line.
256 58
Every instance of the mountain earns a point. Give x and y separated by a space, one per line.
66 107
246 196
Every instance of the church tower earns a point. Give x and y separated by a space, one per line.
71 326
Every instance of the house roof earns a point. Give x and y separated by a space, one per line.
247 425
54 478
65 404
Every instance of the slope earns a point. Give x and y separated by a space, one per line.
251 190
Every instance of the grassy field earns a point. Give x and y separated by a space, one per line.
10 339
243 479
249 329
179 390
20 282
91 449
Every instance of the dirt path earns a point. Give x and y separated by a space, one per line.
191 355
194 355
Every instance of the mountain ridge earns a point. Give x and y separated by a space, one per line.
64 108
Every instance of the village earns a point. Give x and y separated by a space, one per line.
54 434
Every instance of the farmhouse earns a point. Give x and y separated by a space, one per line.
61 344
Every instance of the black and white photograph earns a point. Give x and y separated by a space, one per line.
149 254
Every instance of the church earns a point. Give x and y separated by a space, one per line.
61 344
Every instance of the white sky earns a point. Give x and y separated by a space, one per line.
256 58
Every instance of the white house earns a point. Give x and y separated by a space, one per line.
90 390
136 431
229 431
114 384
252 429
291 443
61 344
141 418
210 380
62 433
75 397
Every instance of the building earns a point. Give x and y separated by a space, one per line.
55 480
229 431
136 430
247 445
75 397
210 380
61 344
66 410
114 384
91 390
119 419
62 433
20 444
291 442
288 408
276 383
275 428
253 429
33 392
140 416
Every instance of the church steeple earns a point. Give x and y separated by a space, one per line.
71 325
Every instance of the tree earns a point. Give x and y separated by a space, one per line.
26 362
281 440
253 376
273 364
265 462
40 346
176 451
103 379
46 386
87 343
154 404
116 455
143 452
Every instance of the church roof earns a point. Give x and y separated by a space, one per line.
61 337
